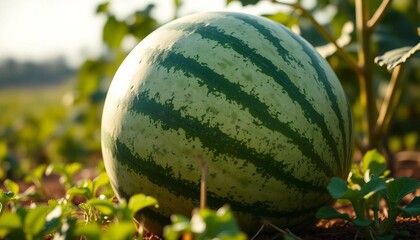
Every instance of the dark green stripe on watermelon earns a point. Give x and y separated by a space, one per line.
233 92
322 79
217 141
161 177
266 66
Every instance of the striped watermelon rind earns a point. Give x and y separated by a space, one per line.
253 99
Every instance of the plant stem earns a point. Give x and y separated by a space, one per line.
346 56
390 102
379 13
203 186
393 212
367 93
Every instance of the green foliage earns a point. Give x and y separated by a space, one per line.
65 218
89 211
205 224
366 189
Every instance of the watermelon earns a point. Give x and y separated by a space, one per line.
254 100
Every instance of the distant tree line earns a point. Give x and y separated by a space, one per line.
14 73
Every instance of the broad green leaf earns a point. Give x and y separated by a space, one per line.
34 221
400 187
373 164
90 231
140 201
337 187
373 186
114 32
12 186
104 206
78 191
361 222
9 222
396 57
73 168
53 218
100 181
121 231
331 213
413 208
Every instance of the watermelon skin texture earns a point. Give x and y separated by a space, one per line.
247 95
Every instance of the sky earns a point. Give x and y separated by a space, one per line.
41 30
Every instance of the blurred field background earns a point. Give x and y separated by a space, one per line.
51 104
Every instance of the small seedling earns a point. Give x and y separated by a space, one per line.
366 188
205 224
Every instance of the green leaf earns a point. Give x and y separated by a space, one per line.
370 188
34 221
283 18
12 186
5 198
78 191
331 213
396 57
179 224
373 164
102 8
72 168
361 222
413 208
53 218
121 231
87 209
208 224
140 201
400 187
9 222
104 206
100 181
114 32
337 187
89 231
